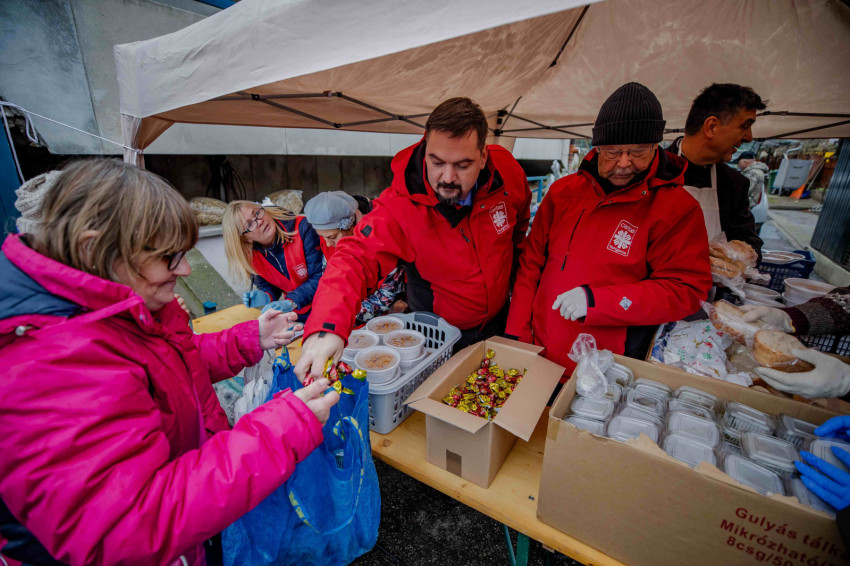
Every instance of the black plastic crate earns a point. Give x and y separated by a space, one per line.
780 272
828 343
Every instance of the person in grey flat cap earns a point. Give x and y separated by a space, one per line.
333 215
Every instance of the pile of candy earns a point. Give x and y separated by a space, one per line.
486 390
335 372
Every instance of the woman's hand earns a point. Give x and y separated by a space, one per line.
315 401
277 328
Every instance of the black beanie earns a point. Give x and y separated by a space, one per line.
631 115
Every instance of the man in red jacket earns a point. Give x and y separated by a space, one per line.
616 246
454 218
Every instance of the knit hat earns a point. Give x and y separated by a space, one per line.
30 195
746 155
631 115
332 210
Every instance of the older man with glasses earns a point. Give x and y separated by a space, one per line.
617 246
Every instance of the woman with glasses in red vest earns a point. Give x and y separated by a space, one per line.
275 250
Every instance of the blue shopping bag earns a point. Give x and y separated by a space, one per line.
328 511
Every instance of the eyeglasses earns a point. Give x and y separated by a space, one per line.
253 223
174 259
636 153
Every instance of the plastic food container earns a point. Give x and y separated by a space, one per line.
796 488
729 448
730 435
822 448
688 451
620 374
407 364
653 388
772 453
751 474
594 409
408 343
688 394
382 325
615 392
794 430
695 428
750 290
685 407
640 414
746 419
594 427
359 340
623 428
381 363
644 401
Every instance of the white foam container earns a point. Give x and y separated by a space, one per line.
378 376
378 324
407 353
750 289
353 348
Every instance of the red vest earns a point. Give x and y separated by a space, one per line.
296 264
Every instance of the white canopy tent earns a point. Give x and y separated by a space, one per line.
539 69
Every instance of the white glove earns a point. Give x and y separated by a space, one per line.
830 378
767 315
572 304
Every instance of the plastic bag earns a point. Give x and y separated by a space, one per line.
258 381
726 318
590 371
329 509
208 211
730 261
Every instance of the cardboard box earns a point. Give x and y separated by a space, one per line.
635 503
470 446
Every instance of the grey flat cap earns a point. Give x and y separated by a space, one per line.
333 210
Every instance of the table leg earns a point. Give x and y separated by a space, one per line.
520 558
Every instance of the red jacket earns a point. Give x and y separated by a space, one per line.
458 261
641 254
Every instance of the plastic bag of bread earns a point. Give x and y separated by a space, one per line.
207 210
729 263
772 349
290 199
727 318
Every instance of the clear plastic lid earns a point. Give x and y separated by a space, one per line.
729 448
801 492
595 427
745 418
688 451
822 448
595 409
624 428
636 413
729 434
615 392
692 395
774 453
753 475
685 407
654 388
645 402
620 374
794 430
696 428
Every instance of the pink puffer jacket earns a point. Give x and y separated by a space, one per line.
105 457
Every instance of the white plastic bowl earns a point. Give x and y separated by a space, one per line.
806 288
359 340
750 289
365 360
407 364
408 343
761 301
382 325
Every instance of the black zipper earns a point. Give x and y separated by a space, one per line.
468 241
570 242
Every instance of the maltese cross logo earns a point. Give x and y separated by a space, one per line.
621 240
301 270
499 216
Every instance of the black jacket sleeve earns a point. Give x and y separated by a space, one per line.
735 217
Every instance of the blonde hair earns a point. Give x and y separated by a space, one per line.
134 216
238 250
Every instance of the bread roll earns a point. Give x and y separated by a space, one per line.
727 319
772 349
742 252
724 268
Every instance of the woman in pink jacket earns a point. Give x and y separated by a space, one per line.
106 401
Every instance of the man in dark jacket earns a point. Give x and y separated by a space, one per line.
720 119
454 218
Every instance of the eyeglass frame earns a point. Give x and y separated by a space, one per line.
253 223
628 152
173 259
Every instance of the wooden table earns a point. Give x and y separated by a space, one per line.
512 497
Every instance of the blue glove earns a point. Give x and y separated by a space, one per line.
283 306
255 299
825 480
836 427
